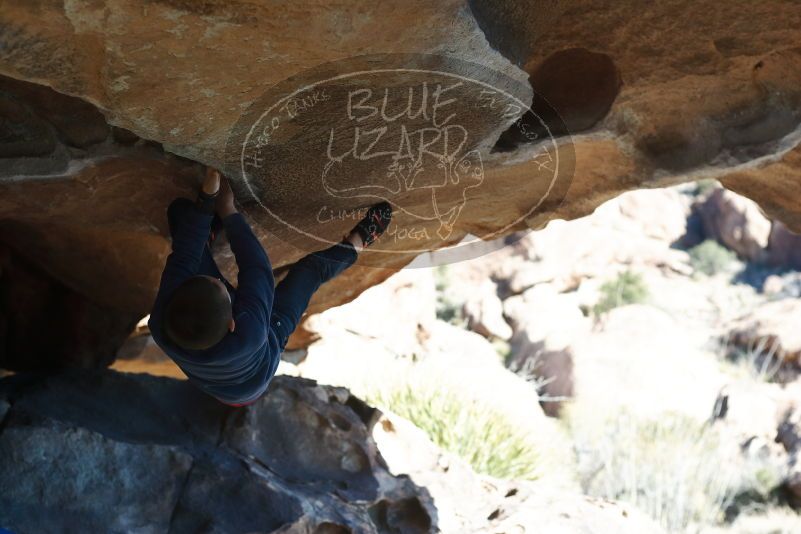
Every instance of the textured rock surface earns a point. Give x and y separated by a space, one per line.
78 454
56 476
790 437
771 331
473 503
737 223
545 327
667 94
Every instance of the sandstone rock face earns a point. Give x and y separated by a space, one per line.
79 454
85 178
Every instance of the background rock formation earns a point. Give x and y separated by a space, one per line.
652 96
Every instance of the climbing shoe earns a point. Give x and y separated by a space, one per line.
374 223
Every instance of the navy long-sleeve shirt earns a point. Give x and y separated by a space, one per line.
238 369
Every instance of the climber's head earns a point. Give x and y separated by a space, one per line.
198 314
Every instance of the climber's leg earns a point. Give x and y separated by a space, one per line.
293 293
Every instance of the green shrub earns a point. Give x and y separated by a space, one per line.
707 185
486 439
449 307
627 288
504 350
710 257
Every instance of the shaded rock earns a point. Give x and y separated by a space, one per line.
78 123
242 501
789 434
143 348
793 480
736 222
45 325
56 477
82 454
313 439
579 84
784 247
100 401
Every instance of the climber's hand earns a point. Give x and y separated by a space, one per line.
211 183
225 202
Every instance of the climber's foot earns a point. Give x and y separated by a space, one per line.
371 226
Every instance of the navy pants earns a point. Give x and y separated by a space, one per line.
293 293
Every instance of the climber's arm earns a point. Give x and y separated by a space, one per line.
190 225
256 285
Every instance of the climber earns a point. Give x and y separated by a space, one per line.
228 340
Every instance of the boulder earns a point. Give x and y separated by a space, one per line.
736 222
113 113
56 477
784 247
789 435
639 209
473 503
399 313
771 333
303 459
79 454
484 312
623 230
633 360
793 480
546 326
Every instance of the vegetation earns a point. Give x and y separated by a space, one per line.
705 186
672 467
627 288
449 308
465 427
761 359
504 350
710 257
678 470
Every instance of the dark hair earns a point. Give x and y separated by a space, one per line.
198 314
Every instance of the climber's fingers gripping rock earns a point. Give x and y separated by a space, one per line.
225 200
